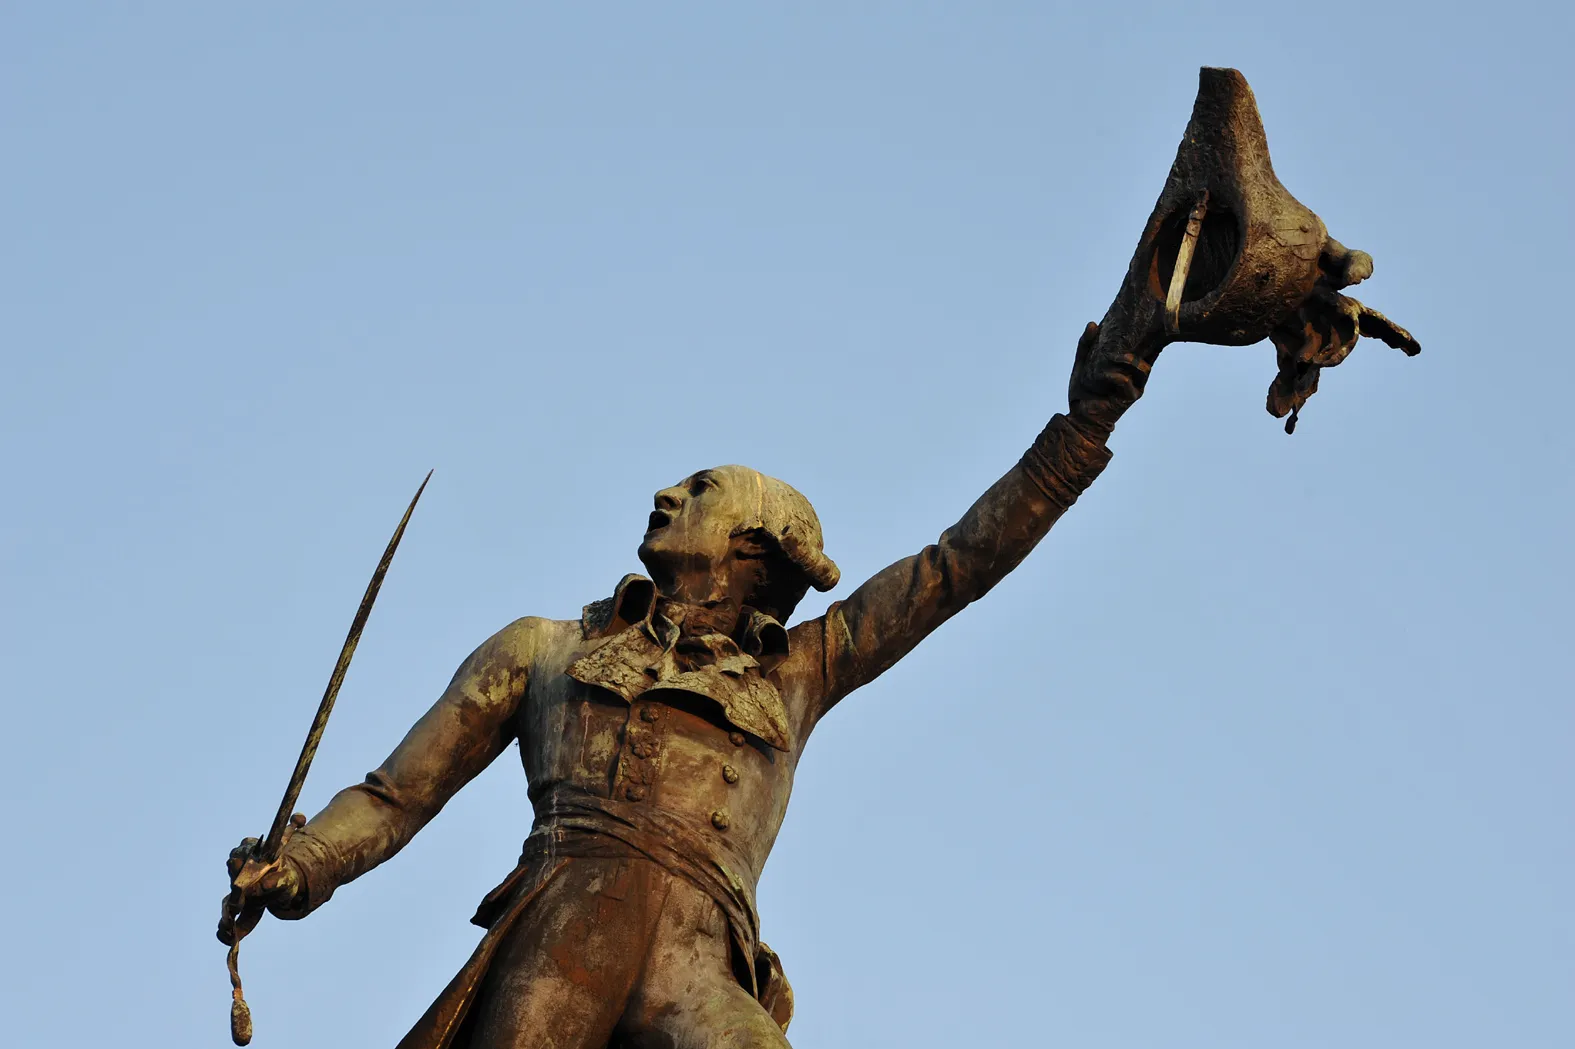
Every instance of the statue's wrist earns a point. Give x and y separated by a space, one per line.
1094 418
1064 460
309 881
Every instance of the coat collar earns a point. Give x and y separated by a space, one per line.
635 647
636 604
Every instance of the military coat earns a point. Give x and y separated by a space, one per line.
637 738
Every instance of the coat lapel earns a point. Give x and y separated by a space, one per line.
633 653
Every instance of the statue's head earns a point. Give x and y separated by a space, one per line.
734 532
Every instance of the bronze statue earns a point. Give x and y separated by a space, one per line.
660 731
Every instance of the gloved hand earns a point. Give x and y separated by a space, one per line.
278 886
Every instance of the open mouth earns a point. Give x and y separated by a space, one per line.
659 519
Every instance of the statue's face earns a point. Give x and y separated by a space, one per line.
692 526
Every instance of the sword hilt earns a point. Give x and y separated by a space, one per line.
239 917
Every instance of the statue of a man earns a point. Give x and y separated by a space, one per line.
660 733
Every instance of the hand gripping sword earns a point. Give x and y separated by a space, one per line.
240 914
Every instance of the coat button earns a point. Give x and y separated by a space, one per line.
736 738
649 713
642 749
635 792
719 820
729 773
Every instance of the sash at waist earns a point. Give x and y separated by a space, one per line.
573 824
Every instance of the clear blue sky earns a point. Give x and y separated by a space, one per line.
1267 747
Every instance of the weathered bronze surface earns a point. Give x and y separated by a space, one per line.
1230 257
660 731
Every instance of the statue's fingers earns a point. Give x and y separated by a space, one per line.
1085 343
1375 325
1082 360
239 855
279 881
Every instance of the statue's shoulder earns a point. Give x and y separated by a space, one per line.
533 639
526 640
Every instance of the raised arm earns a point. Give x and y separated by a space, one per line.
470 724
900 605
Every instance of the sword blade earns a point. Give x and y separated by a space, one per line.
269 850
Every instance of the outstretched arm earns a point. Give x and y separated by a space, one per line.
900 605
469 725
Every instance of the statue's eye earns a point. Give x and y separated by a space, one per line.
703 484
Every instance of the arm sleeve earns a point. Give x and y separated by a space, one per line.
470 724
900 605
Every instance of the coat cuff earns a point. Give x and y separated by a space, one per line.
317 863
1064 460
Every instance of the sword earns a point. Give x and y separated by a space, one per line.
241 915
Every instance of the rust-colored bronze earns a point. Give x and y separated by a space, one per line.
660 730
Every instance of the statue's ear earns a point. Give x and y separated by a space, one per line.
754 544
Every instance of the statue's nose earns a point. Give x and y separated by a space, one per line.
669 499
